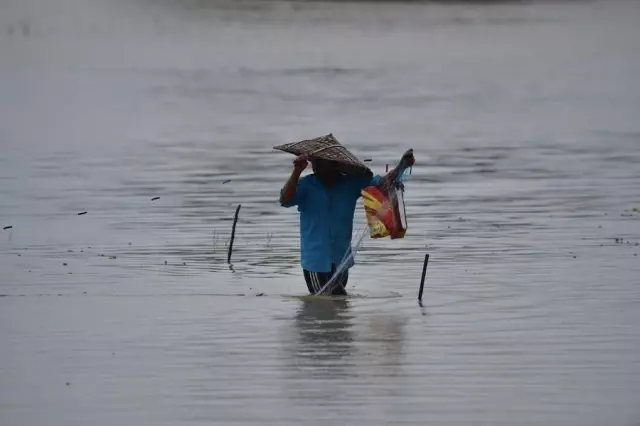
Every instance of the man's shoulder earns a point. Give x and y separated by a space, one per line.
307 180
360 181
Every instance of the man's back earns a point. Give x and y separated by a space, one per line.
326 219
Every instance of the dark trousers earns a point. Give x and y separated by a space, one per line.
317 280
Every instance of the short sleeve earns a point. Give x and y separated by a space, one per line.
301 193
361 183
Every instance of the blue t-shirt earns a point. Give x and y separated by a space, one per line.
326 219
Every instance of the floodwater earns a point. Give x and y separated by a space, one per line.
525 122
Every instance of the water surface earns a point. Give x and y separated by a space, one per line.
523 117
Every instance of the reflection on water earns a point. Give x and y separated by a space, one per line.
326 334
331 342
324 331
321 346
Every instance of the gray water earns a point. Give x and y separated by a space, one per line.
525 120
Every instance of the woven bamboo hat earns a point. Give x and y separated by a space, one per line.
328 148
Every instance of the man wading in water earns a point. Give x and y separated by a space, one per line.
326 201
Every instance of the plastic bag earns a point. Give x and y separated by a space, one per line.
385 211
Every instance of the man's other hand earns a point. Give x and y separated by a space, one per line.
409 158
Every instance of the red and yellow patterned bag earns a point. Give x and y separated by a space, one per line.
385 211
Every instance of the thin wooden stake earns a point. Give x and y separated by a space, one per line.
424 274
233 233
